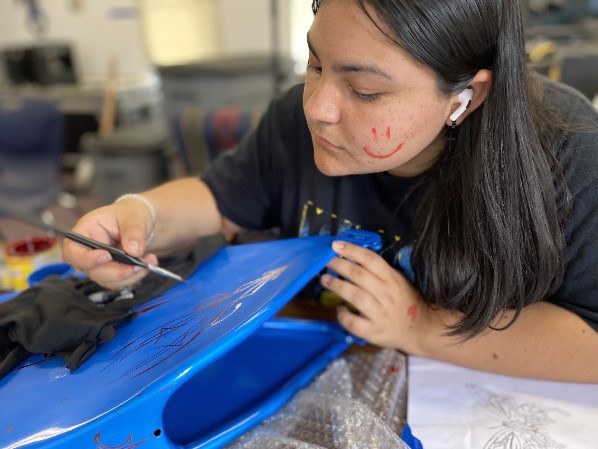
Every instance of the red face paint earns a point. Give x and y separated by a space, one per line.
412 311
383 155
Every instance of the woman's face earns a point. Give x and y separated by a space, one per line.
369 105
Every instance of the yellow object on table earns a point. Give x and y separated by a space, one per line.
25 255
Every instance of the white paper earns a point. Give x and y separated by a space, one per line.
459 408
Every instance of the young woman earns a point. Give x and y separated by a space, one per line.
418 120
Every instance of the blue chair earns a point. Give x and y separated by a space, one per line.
202 134
32 134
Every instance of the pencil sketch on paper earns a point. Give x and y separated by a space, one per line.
172 336
520 425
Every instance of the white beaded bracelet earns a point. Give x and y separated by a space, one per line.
150 207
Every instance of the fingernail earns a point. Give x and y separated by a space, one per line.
338 245
133 246
104 258
325 279
137 269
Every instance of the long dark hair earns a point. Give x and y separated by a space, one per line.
489 230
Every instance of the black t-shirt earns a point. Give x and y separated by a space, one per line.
578 157
271 180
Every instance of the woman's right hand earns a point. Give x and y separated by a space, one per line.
126 224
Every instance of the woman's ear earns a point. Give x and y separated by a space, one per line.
480 87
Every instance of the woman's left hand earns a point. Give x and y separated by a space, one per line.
391 310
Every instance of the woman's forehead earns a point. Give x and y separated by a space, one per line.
343 26
342 33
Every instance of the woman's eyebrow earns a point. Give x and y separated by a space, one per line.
311 47
352 68
359 68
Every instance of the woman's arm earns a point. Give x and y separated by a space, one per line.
184 210
545 342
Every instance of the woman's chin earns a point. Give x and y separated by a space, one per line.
329 167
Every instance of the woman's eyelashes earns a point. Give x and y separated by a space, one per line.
314 68
365 97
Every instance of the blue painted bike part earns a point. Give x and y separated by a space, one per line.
409 439
197 366
60 269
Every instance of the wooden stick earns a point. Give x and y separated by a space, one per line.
108 117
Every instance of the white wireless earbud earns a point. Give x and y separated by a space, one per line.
465 98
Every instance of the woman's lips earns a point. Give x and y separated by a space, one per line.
327 144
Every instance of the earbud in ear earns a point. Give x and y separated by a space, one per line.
464 98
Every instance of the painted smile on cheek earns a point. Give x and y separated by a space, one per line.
382 155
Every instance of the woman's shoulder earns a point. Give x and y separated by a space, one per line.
570 104
289 103
284 116
578 150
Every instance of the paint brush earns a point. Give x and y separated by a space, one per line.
118 255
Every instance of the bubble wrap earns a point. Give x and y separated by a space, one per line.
359 401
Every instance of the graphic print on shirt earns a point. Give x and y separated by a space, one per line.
316 220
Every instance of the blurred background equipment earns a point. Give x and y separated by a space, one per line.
242 81
131 159
37 20
31 143
562 40
45 64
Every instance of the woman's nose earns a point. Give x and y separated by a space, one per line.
322 102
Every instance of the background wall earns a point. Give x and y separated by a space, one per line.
246 25
179 31
165 31
97 28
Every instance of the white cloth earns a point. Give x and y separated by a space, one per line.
450 407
